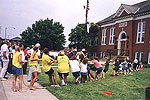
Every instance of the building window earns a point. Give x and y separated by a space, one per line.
149 58
112 35
136 55
141 56
104 37
140 32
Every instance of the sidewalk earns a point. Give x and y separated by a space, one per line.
39 94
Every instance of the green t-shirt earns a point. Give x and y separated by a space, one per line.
107 65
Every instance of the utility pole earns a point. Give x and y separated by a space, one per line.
86 16
6 31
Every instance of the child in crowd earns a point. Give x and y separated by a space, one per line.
84 71
74 65
129 62
46 65
135 64
106 67
17 68
98 66
141 66
116 69
125 68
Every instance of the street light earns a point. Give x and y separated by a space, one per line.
6 31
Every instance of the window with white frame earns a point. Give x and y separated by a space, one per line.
141 56
149 58
136 55
103 36
112 35
140 32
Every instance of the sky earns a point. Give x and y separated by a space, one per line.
21 14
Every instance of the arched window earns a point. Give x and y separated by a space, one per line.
123 36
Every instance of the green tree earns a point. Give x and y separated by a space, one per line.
93 32
46 32
80 39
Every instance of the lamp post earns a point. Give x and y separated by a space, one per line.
6 31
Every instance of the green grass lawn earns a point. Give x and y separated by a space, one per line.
122 87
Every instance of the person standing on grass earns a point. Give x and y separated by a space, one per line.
116 69
129 62
98 66
74 65
84 71
63 67
125 68
33 63
46 66
106 67
17 68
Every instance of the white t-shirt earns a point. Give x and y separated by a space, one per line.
83 67
31 50
23 56
74 64
4 47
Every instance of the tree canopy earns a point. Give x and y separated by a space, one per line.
46 32
80 39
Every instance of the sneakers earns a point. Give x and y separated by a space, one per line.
62 83
3 79
55 86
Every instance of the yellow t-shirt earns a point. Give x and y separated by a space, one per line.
45 63
63 64
15 60
33 63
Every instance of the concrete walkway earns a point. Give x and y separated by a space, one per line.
6 92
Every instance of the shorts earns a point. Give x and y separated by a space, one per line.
116 69
99 70
50 72
125 68
105 70
33 69
65 74
84 74
16 71
76 74
88 69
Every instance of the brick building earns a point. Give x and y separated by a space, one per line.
126 32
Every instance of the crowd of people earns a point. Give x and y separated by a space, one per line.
14 60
